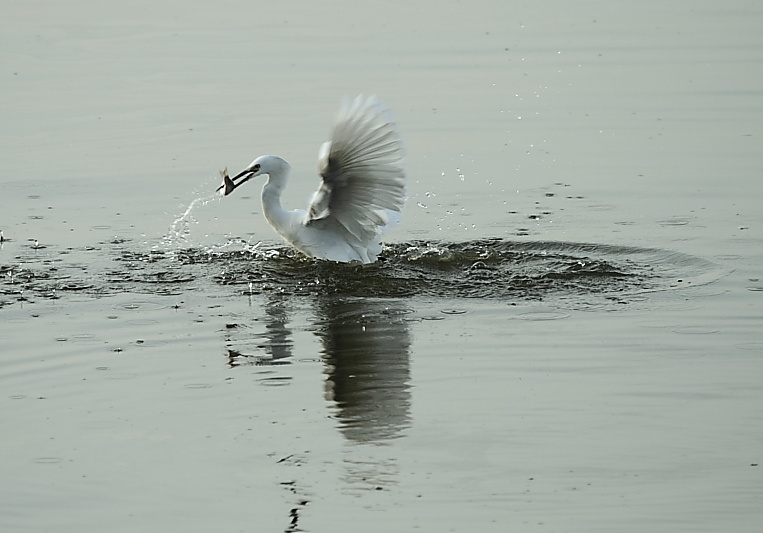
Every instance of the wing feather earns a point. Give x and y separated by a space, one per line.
362 169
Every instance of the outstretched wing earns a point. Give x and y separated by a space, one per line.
363 171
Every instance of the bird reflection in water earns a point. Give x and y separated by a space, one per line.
366 347
275 340
366 351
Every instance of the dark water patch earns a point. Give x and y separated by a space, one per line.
495 269
488 268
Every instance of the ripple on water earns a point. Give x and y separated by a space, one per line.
140 305
277 381
542 315
754 346
694 330
47 460
198 386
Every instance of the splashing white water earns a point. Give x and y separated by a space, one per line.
179 235
180 229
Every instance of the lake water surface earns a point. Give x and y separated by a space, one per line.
563 334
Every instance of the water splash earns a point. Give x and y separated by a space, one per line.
489 268
180 229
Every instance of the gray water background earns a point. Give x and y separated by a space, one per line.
566 334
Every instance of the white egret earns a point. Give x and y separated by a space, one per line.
362 193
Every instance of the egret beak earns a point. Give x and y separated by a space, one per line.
229 185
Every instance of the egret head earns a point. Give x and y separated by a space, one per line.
265 164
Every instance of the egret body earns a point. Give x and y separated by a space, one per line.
362 192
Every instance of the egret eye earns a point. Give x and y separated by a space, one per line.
256 167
